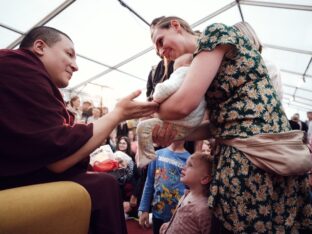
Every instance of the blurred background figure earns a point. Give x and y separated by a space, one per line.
74 108
133 141
122 129
96 114
206 147
86 110
309 124
104 110
273 70
297 124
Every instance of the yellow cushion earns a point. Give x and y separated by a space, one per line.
58 207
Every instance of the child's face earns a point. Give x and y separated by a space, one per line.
194 172
206 148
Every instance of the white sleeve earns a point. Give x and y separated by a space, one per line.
168 87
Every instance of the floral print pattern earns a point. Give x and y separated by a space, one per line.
242 103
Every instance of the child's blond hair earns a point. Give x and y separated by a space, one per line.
205 159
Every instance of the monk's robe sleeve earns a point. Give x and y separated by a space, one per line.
34 123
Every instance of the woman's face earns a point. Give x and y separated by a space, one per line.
76 103
168 42
122 145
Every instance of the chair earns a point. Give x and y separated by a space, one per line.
50 208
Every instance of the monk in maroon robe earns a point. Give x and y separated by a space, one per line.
38 141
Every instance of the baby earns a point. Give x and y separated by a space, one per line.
192 214
183 127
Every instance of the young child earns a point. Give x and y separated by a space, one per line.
206 149
192 213
146 152
163 186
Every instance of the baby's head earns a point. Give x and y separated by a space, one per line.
183 61
198 170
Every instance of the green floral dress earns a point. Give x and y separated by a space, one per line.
243 103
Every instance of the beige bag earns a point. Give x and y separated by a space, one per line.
282 153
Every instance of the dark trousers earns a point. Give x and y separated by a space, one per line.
107 210
157 224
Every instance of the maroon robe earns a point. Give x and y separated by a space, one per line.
35 131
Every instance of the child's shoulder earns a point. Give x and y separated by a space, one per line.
162 150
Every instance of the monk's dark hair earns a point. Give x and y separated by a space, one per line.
49 35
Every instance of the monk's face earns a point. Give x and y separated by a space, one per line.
60 61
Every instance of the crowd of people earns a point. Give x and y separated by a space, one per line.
210 187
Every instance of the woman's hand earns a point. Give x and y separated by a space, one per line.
163 136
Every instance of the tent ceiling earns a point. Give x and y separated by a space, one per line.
114 49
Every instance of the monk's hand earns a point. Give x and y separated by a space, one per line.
128 108
163 136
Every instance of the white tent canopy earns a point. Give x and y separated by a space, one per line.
115 53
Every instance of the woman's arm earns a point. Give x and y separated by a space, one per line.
165 136
202 132
125 109
202 71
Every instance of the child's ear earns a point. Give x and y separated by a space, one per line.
205 180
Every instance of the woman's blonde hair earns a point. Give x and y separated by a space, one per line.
246 29
165 22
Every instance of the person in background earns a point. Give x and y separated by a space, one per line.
123 144
140 176
192 214
206 149
96 114
41 145
297 124
229 71
273 70
163 186
122 129
74 108
105 110
310 183
133 141
86 111
309 124
129 187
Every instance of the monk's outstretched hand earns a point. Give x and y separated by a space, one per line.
128 108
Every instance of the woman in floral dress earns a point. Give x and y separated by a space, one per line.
230 72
